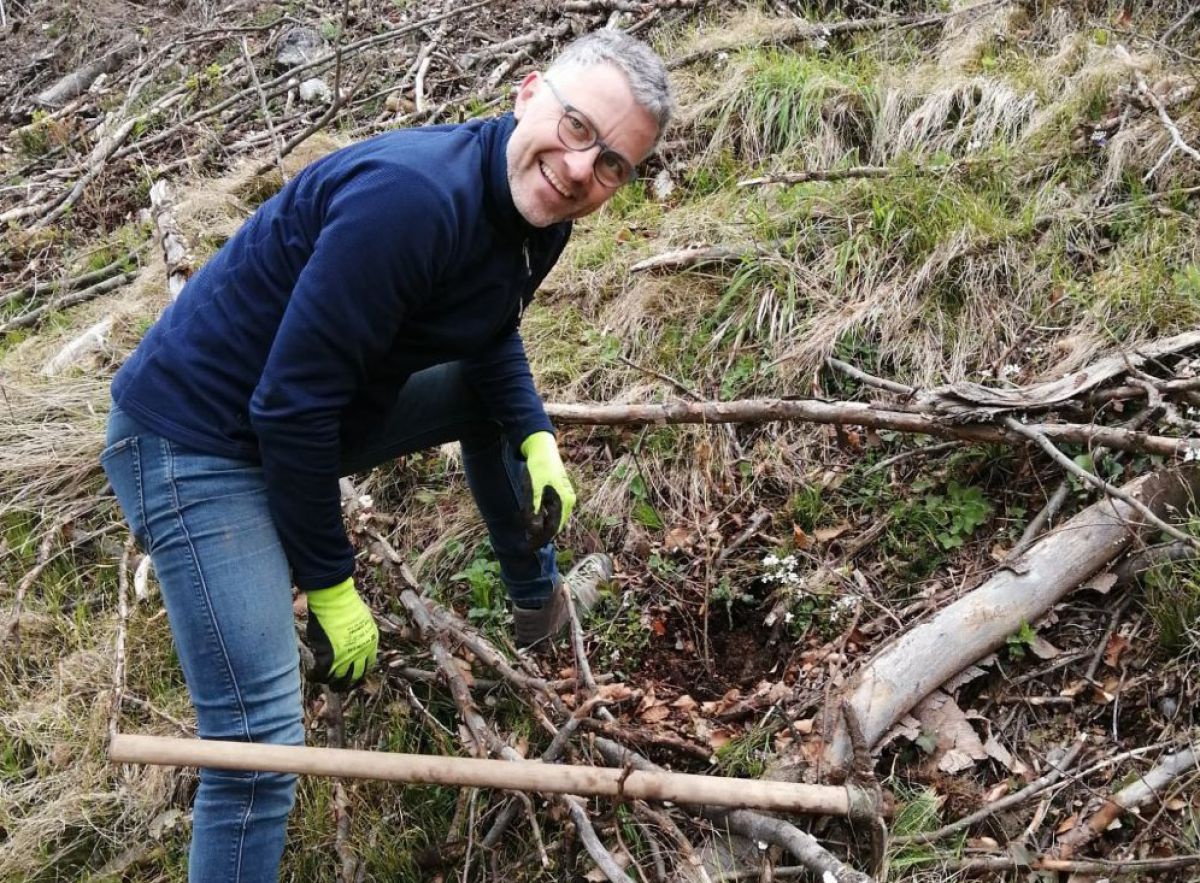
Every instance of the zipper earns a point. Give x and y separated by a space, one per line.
528 276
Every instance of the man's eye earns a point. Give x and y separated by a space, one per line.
577 125
614 164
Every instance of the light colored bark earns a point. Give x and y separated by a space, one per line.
860 414
925 657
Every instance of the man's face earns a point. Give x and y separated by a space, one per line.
550 183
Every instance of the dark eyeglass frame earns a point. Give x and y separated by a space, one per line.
606 153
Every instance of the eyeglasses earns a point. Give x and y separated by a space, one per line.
576 132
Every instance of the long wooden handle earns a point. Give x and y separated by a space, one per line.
465 771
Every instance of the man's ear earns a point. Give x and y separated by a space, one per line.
525 92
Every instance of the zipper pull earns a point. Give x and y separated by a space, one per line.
525 251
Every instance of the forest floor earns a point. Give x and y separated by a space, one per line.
997 193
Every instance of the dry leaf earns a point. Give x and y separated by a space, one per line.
1043 649
615 692
802 540
1102 583
678 539
1067 824
655 714
658 627
686 702
997 791
956 744
719 738
828 534
1116 646
803 727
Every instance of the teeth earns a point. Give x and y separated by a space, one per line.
554 182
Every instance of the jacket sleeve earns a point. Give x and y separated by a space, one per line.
501 376
374 259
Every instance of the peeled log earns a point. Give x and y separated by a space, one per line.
926 657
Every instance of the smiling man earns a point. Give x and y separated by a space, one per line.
368 310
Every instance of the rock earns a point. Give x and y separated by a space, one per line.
299 46
315 90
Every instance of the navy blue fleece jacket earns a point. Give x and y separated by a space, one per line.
377 261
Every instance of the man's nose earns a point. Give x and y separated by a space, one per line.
580 164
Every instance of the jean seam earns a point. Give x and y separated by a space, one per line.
201 586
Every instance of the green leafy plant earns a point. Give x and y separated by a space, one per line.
487 592
958 513
1018 644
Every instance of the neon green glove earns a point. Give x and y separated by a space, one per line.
546 471
342 634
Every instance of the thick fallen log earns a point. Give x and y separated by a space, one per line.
923 659
860 414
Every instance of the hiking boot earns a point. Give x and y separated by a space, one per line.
582 586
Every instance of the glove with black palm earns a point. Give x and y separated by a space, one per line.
342 634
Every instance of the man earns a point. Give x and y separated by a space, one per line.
368 310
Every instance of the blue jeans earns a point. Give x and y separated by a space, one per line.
228 591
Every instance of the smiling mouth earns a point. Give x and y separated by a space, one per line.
554 181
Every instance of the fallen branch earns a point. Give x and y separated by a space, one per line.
67 300
692 257
801 31
858 414
1141 792
974 401
170 238
1034 788
909 668
72 84
1075 469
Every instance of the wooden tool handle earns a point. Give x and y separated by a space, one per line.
472 772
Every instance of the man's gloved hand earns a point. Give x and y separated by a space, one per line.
549 485
342 634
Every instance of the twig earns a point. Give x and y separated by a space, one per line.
1039 437
822 175
96 163
68 300
1102 644
756 521
1135 566
927 450
335 737
591 842
31 576
1037 786
266 110
1093 867
861 376
118 677
1179 25
1177 142
1132 796
1039 521
39 288
678 384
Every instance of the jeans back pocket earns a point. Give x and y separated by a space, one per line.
122 463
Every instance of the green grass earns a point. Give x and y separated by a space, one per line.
780 101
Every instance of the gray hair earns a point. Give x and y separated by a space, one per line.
645 71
